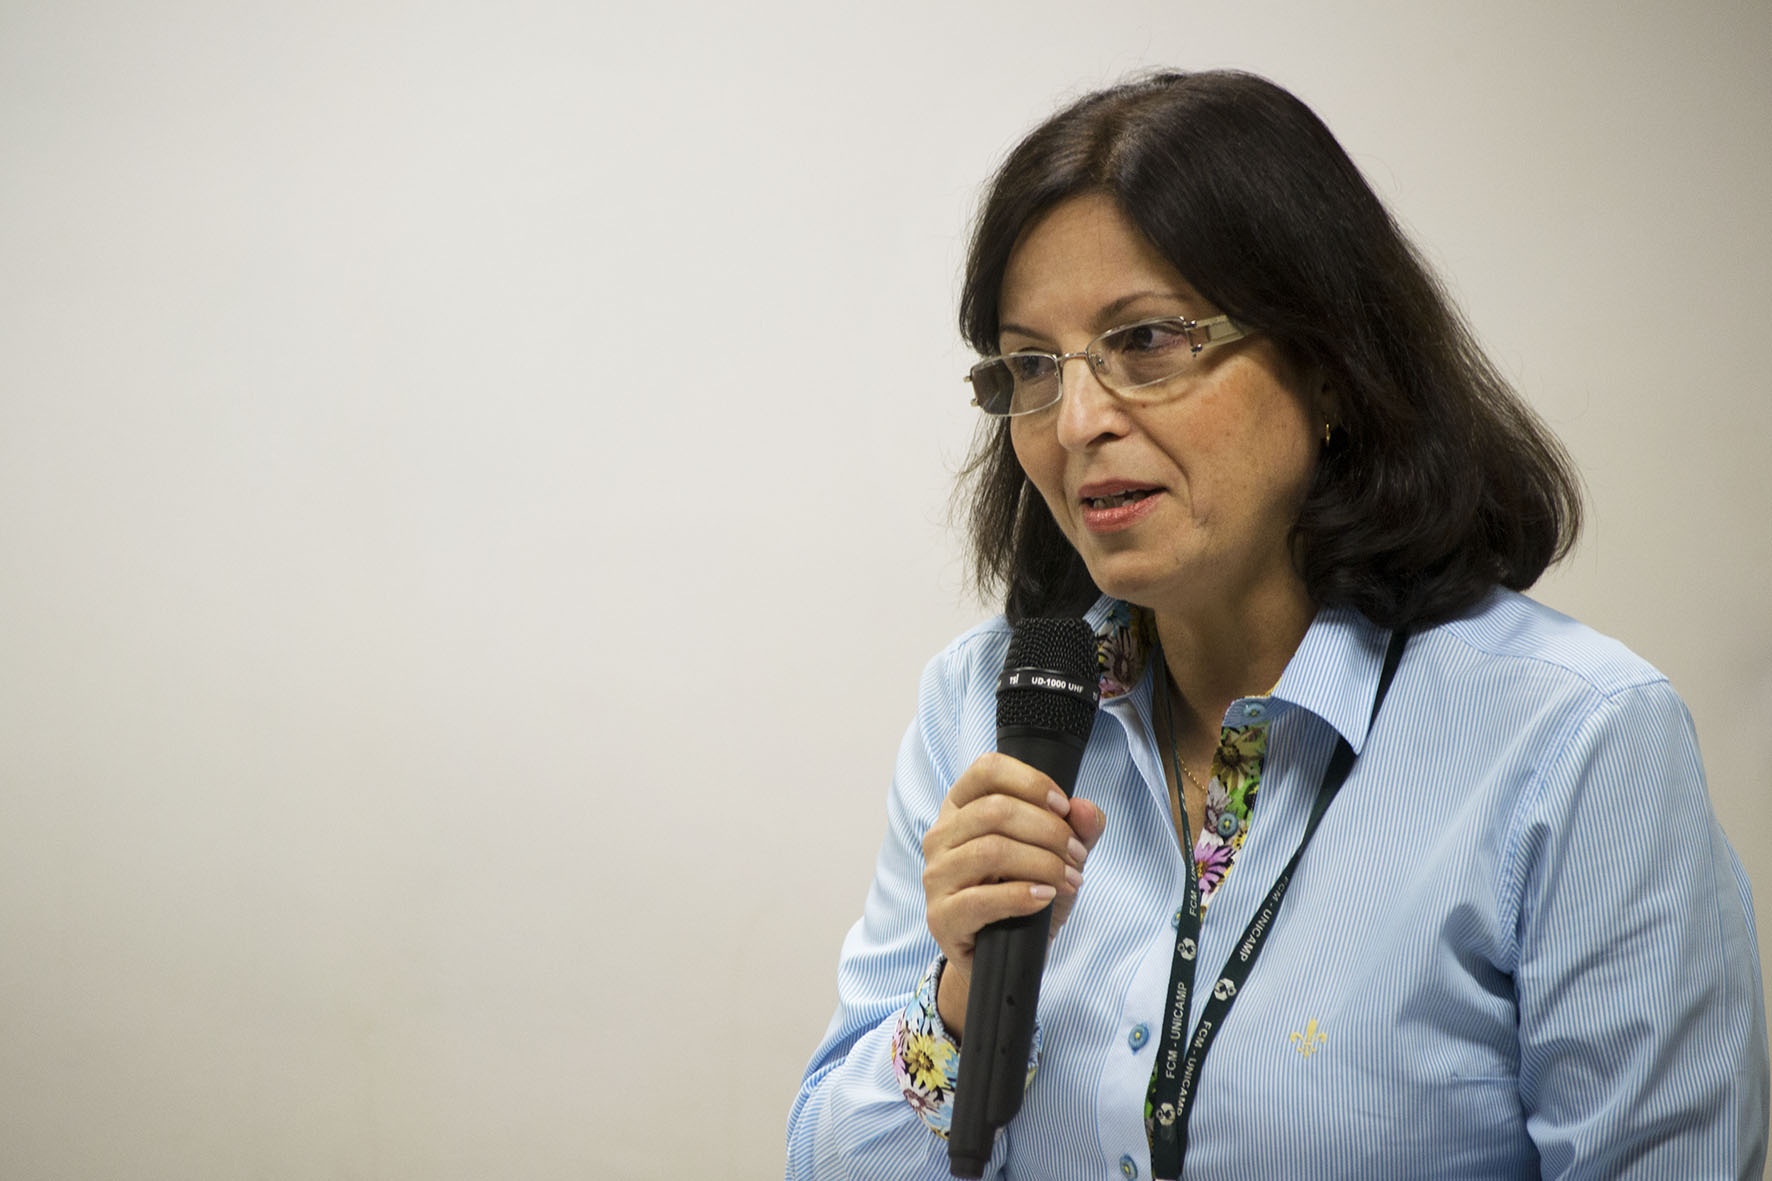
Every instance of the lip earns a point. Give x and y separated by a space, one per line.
1113 487
1120 516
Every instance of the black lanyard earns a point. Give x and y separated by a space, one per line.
1178 1058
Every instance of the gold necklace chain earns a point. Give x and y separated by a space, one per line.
1192 778
1174 746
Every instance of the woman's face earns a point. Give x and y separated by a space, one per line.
1183 504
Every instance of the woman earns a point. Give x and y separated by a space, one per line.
1241 432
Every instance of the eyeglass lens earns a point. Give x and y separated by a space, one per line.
1134 356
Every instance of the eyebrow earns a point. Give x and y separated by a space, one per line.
1108 316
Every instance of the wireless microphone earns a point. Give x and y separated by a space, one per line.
1046 699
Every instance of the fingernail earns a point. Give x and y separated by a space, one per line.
1057 801
1073 877
1043 893
1078 851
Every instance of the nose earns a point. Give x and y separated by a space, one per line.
1088 412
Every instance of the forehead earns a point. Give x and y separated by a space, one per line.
1082 264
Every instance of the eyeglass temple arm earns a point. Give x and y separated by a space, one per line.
1218 330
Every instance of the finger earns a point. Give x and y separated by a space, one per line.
1089 822
994 858
998 774
1011 818
956 919
988 880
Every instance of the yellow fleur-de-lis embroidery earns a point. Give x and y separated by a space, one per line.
1311 1040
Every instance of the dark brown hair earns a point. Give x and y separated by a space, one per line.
1439 482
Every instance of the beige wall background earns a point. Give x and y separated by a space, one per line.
472 512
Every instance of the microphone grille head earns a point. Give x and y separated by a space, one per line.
1049 677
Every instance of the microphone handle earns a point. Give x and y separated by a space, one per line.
1007 961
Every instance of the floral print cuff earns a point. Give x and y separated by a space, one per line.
927 1061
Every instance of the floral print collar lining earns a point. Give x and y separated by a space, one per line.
1123 643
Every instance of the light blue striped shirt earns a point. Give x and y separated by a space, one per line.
1519 945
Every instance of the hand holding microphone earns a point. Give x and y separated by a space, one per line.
1003 864
1000 837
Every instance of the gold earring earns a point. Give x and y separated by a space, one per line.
1328 427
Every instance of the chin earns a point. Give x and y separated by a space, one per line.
1120 580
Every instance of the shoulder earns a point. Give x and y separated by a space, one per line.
956 697
1510 638
976 646
1525 698
967 667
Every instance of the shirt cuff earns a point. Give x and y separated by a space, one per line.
927 1061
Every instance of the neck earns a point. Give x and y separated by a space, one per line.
1220 652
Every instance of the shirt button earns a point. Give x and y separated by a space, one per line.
1128 1168
1255 709
1140 1034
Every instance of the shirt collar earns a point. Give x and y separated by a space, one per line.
1334 673
1124 637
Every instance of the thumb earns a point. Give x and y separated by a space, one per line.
1088 821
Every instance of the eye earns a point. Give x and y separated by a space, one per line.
1152 336
1015 384
1147 352
1028 367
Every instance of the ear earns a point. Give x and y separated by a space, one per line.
1326 402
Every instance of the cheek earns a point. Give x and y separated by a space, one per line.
1286 484
1252 477
1034 450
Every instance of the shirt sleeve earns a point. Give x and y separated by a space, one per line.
874 1101
1642 1020
926 1060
